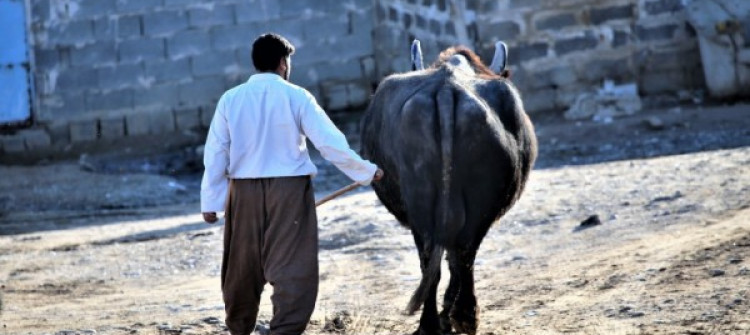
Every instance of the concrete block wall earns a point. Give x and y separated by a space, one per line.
109 69
558 48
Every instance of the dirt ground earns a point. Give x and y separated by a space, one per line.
114 245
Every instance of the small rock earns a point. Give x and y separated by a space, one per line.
88 332
716 272
531 313
164 326
655 123
735 260
211 320
744 272
591 221
636 314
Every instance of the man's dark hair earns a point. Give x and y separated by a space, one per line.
268 50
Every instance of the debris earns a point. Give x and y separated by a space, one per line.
591 221
607 103
655 123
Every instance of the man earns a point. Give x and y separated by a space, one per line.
258 169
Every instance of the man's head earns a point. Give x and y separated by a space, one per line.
271 53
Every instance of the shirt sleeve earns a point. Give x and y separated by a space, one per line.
332 144
215 181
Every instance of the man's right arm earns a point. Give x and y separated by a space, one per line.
332 144
216 161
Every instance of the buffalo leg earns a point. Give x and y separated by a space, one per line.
449 300
428 322
465 313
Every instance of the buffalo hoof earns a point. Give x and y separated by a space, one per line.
422 331
445 324
464 322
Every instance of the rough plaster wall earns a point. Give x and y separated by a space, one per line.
558 48
113 68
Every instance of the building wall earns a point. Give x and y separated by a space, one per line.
558 48
109 69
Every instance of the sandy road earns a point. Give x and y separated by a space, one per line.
671 257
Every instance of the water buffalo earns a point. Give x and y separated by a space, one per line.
456 147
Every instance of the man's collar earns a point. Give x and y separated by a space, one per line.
265 76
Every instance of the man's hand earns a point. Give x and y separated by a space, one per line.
210 217
378 175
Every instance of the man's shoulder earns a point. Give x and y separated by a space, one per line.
296 90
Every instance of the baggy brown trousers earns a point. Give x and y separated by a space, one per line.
271 235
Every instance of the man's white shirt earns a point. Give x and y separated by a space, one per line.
259 131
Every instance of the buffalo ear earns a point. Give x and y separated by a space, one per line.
500 59
416 56
505 74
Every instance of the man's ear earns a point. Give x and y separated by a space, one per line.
283 65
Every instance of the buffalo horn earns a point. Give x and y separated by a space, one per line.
416 56
500 59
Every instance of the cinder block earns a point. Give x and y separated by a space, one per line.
201 92
556 22
84 131
326 27
188 43
61 105
164 23
436 27
620 38
36 139
598 69
563 76
601 15
91 9
169 71
137 124
161 122
257 11
523 52
129 26
214 63
77 80
130 6
343 71
187 118
503 30
119 77
217 15
660 82
59 131
105 28
207 115
539 100
134 51
358 94
663 6
335 96
649 34
368 67
524 3
94 55
296 8
566 46
233 37
12 143
113 100
70 33
46 59
112 127
159 97
181 3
